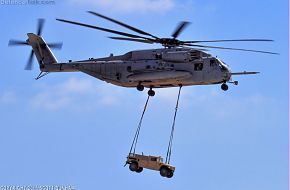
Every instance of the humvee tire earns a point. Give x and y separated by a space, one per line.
164 171
170 174
139 170
133 166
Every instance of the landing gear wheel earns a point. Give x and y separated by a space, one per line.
170 174
164 171
133 166
140 87
151 92
224 87
139 170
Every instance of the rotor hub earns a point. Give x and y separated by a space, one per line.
170 42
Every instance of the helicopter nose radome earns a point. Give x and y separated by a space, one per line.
228 75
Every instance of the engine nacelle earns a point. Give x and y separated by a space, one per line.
177 57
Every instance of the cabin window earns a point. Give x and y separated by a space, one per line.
129 69
158 56
212 63
198 66
154 159
148 67
118 76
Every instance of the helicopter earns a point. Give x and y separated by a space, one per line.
178 63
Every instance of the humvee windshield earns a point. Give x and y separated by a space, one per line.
156 159
131 154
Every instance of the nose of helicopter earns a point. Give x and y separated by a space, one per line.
226 71
227 75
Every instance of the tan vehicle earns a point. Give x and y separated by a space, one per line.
137 162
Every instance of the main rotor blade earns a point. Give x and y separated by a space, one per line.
40 25
236 40
17 43
30 61
133 39
236 49
55 45
179 29
123 24
102 29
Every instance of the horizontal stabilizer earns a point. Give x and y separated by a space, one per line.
245 73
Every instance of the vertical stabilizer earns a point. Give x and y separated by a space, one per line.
42 51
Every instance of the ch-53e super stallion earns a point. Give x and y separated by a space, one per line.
178 63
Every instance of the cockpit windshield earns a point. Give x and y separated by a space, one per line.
222 65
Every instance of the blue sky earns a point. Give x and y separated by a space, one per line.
71 129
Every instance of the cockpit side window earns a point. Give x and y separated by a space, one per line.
198 66
212 62
223 68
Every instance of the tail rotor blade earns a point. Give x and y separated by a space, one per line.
30 61
40 25
17 43
55 45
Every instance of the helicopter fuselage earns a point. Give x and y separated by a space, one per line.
153 68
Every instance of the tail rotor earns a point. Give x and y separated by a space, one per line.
40 25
